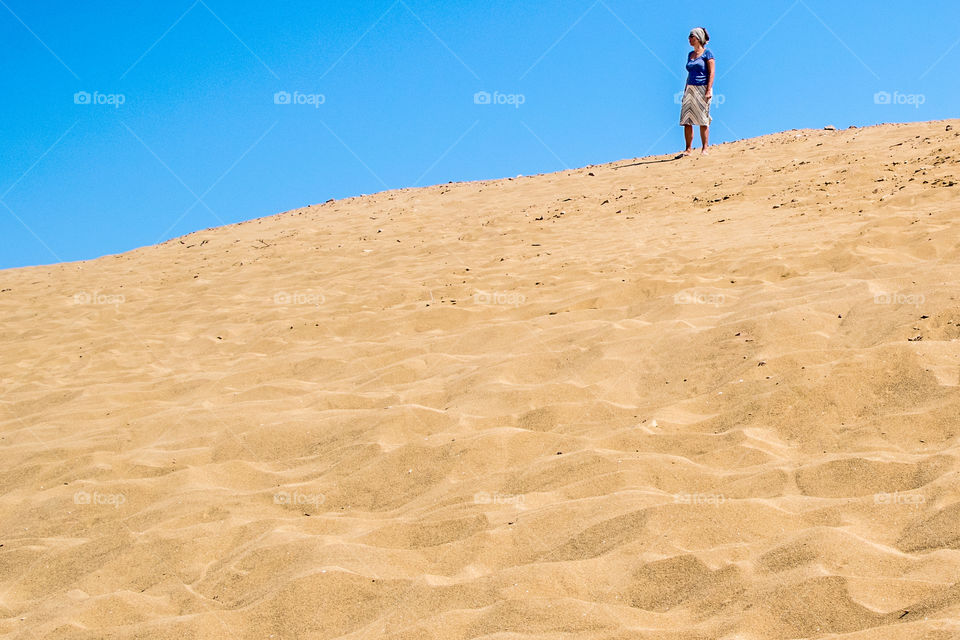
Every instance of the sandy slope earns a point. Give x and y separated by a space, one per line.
711 398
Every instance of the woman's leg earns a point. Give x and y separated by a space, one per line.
704 137
688 136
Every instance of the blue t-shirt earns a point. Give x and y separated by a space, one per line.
697 68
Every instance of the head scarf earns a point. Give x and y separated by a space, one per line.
699 34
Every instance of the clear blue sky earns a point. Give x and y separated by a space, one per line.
200 140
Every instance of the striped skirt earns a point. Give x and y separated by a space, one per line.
695 109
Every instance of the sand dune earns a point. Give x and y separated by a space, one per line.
709 398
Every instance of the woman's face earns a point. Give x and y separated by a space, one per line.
693 41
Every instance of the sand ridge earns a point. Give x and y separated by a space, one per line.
706 398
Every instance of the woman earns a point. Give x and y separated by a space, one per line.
701 70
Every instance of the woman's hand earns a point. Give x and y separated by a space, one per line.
709 94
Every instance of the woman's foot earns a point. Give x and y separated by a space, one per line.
686 153
704 153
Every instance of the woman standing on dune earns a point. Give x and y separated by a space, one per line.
701 70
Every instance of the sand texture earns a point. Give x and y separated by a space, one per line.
707 398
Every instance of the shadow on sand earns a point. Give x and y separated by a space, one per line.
636 164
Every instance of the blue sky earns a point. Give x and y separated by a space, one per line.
126 124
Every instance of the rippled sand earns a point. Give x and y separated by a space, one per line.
707 398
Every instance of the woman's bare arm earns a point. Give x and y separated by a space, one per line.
711 72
